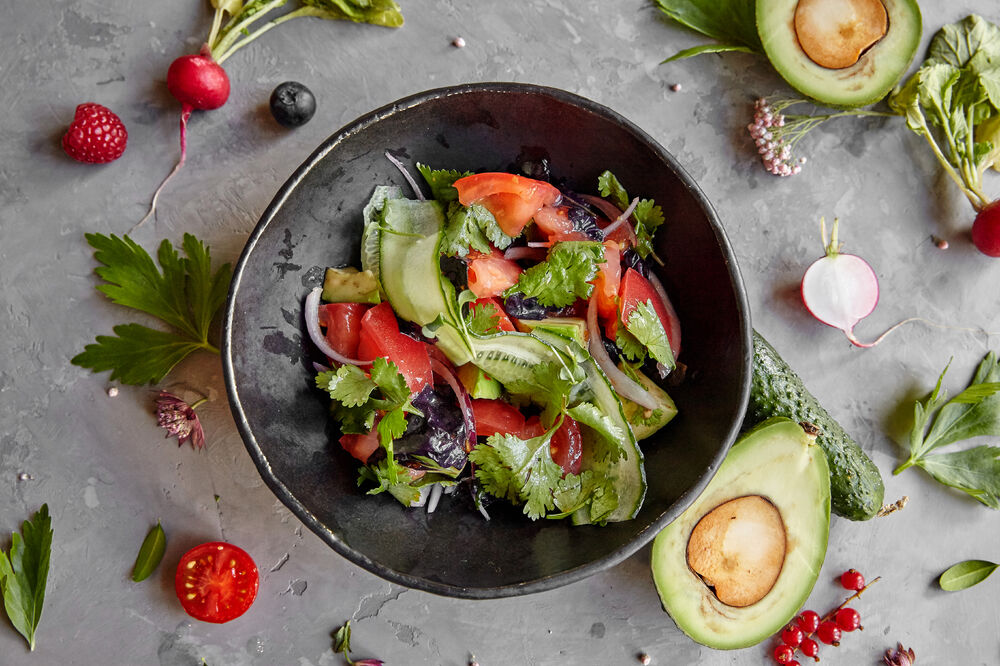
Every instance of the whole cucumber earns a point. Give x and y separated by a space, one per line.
856 487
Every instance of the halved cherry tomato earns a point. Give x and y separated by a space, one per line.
343 326
380 337
360 446
490 274
567 446
216 582
496 416
608 279
637 289
512 199
503 321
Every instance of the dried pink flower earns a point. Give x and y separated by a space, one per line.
899 657
368 662
179 419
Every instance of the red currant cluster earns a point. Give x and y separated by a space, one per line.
800 634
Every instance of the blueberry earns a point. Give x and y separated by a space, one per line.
292 104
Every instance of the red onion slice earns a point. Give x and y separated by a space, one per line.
316 334
406 174
674 334
464 401
623 384
622 219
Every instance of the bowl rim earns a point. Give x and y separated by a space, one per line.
288 498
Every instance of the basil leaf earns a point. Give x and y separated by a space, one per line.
966 574
974 471
24 572
150 554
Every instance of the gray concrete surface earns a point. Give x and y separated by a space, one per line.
107 473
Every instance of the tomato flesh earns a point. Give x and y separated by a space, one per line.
503 321
343 326
360 446
496 417
216 582
637 289
554 222
491 274
380 337
607 282
512 199
567 446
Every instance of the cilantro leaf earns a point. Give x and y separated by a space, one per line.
612 190
583 491
390 381
629 346
646 216
348 384
564 276
442 182
483 319
471 227
24 572
645 326
519 470
183 293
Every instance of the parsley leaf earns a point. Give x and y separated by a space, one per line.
483 319
647 329
646 217
564 276
24 572
182 292
972 413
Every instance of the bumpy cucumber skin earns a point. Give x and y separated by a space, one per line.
855 483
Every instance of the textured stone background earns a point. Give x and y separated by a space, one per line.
107 474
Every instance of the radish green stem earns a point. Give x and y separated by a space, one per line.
257 33
219 51
216 24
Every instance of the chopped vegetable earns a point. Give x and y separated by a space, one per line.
24 572
186 295
973 412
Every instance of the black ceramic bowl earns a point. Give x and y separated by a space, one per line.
315 221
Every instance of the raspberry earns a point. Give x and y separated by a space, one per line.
96 135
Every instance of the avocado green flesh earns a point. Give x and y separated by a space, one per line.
775 390
780 463
349 285
865 82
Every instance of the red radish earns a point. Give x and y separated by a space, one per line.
197 82
986 230
840 289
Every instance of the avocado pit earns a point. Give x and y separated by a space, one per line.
738 549
834 33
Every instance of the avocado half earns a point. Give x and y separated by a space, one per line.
843 53
740 562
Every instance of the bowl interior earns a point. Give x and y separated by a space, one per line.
315 222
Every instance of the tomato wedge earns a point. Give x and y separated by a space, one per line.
491 274
216 582
608 279
637 289
503 321
496 416
567 446
380 337
512 199
360 446
554 222
343 326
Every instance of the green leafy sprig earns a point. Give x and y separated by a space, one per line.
972 413
24 572
647 216
966 574
184 293
564 276
731 23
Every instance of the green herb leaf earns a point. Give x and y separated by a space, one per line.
483 319
185 294
611 189
519 470
348 384
24 572
645 326
647 216
342 639
150 553
585 491
629 346
973 41
564 276
966 574
471 227
610 436
385 13
442 182
731 22
975 471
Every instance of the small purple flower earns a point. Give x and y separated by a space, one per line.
899 657
179 419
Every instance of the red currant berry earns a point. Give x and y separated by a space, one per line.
793 663
810 648
792 635
852 580
829 633
808 621
848 619
784 654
